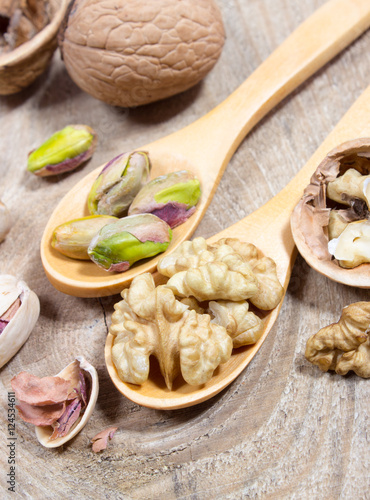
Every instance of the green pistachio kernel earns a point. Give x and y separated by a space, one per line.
183 192
63 151
73 237
118 183
119 245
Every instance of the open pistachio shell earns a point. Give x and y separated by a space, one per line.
15 325
43 433
5 221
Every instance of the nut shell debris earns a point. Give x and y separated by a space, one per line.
317 219
19 312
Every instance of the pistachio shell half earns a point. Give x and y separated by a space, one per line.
19 311
73 237
119 245
63 151
5 221
44 433
170 197
118 184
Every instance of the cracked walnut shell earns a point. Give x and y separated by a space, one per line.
345 345
330 224
20 66
150 321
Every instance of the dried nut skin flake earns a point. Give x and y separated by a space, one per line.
19 311
58 406
337 197
100 440
345 345
118 183
150 321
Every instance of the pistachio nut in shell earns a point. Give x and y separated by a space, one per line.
170 197
19 311
119 245
66 418
118 184
5 221
64 151
73 237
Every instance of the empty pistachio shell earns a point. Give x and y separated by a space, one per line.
118 245
73 237
63 151
19 311
5 221
44 433
118 184
170 197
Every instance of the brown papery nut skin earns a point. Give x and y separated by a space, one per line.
133 52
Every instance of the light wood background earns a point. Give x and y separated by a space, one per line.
283 429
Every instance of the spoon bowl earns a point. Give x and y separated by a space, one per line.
269 229
206 146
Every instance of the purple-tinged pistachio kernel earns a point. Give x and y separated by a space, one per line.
118 184
63 151
170 197
119 245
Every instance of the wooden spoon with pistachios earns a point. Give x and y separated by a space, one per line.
206 146
269 229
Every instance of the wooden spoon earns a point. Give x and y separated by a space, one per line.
206 146
268 228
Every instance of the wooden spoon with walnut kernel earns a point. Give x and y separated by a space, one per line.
206 146
269 229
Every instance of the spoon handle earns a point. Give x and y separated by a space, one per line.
215 137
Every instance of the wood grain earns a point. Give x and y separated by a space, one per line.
282 429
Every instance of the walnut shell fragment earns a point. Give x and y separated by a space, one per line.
150 321
345 345
21 65
129 53
336 199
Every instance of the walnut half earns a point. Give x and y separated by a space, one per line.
345 345
150 321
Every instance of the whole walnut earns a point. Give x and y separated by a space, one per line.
132 52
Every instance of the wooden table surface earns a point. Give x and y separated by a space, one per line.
283 429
